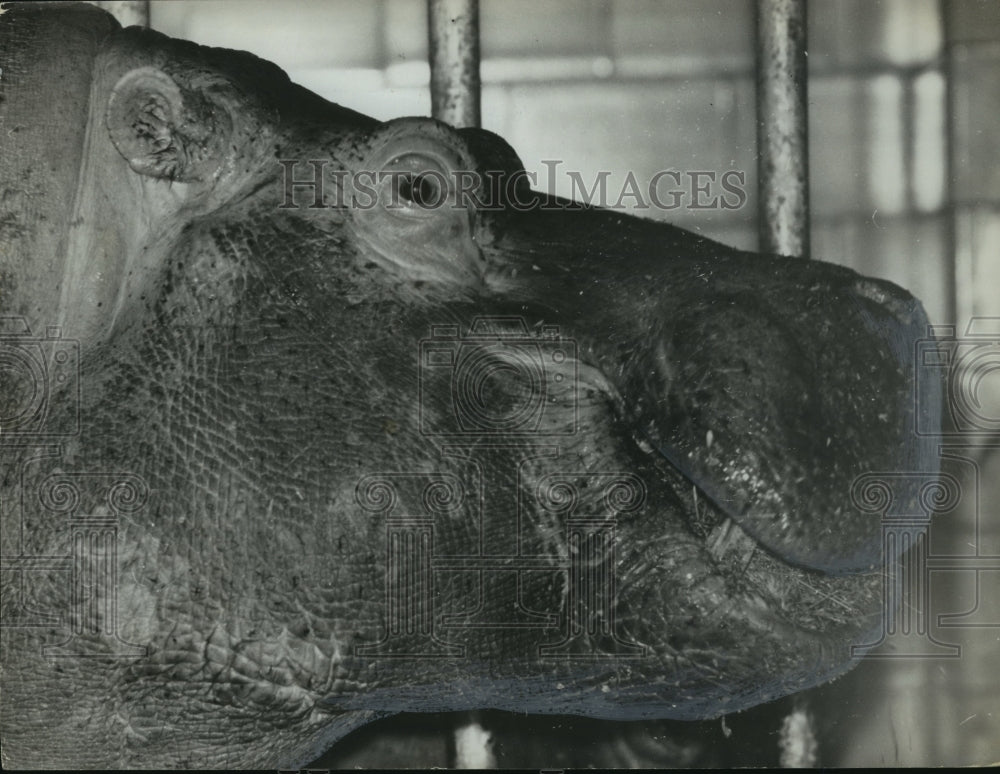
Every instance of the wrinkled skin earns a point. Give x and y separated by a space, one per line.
254 366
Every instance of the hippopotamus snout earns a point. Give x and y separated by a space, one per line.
756 388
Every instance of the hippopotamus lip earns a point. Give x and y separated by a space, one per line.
725 518
732 549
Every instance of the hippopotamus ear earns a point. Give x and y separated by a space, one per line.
164 131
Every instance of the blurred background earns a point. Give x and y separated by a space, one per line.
904 114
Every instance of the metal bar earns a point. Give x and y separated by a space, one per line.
129 13
782 127
956 288
453 49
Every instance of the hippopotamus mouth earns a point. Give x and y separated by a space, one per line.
532 456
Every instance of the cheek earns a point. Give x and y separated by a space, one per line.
436 250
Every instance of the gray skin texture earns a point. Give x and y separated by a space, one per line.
254 366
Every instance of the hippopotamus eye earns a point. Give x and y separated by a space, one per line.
409 209
414 184
421 190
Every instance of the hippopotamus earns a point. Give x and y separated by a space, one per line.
309 419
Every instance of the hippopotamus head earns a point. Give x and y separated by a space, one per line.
366 425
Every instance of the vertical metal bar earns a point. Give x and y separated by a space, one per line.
129 13
782 127
453 37
958 297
